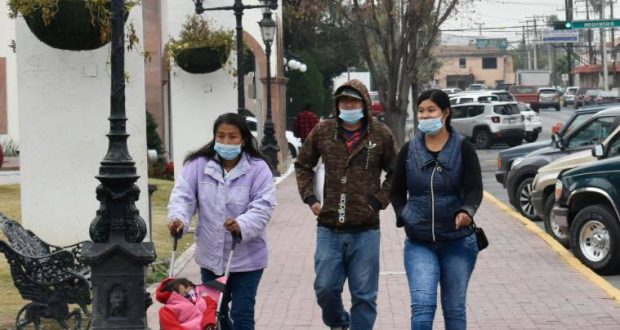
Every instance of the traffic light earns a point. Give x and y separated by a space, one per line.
562 25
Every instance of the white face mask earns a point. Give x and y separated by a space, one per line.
351 116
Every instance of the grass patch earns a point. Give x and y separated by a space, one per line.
10 299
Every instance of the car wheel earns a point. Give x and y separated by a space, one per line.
513 142
533 136
291 151
482 139
524 199
551 227
595 239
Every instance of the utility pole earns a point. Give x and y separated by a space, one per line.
613 41
604 52
526 33
569 17
535 44
526 62
591 59
479 28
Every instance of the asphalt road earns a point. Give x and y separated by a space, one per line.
488 162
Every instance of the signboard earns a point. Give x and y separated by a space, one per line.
593 24
501 43
560 36
564 77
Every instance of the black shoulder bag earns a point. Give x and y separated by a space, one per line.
481 237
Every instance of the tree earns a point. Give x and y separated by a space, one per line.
397 38
305 88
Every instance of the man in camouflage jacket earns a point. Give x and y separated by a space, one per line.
355 149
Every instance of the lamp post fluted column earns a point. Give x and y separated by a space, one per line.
269 144
117 256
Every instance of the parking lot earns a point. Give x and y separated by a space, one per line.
488 162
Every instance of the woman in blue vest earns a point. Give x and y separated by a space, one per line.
436 190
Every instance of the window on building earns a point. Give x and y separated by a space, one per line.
489 62
462 63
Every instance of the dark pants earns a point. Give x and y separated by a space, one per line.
241 289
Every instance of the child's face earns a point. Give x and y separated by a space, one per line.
183 289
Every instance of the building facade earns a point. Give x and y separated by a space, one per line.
462 65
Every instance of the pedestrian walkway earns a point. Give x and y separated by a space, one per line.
519 281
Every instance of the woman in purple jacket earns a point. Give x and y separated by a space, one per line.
229 183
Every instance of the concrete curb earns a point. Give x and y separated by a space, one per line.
188 254
558 248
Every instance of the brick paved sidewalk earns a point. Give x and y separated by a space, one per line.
518 283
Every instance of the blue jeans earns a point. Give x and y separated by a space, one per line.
353 256
241 287
448 264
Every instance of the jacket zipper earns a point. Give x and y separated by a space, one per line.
433 201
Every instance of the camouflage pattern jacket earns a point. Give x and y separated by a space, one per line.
353 192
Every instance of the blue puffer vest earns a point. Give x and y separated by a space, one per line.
435 187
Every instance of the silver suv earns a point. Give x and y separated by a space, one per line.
487 123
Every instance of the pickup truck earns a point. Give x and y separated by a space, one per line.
525 94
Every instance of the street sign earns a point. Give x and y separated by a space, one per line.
591 24
560 36
564 77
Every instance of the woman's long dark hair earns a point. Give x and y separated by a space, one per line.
442 100
249 146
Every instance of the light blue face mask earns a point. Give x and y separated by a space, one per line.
352 116
228 151
430 126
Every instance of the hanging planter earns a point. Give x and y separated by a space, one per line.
200 49
201 60
68 24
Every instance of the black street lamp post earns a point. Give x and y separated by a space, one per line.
269 145
117 256
238 7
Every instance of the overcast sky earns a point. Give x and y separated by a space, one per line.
504 18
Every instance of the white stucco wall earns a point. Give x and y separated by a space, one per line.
7 33
64 104
198 99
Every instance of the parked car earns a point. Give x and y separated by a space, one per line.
487 123
376 107
588 200
607 97
294 143
470 97
503 86
525 94
521 175
452 90
569 95
476 87
504 96
543 198
533 125
548 98
586 96
506 157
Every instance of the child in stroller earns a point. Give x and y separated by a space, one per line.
187 306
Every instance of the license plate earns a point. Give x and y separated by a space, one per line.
511 120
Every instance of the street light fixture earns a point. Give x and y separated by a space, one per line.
238 7
269 145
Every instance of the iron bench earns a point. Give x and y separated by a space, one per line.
50 277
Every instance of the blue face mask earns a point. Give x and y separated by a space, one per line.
228 151
430 126
351 117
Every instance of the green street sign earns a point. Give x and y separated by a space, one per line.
593 24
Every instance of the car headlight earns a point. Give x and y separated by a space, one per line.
517 161
558 189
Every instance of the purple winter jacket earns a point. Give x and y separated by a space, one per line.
248 195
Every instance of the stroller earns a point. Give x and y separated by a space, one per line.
214 289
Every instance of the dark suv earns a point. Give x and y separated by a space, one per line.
507 156
521 175
588 200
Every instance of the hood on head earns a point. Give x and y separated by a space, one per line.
160 294
362 90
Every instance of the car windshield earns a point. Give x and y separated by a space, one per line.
524 89
571 91
548 91
488 98
505 97
576 122
506 109
591 133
